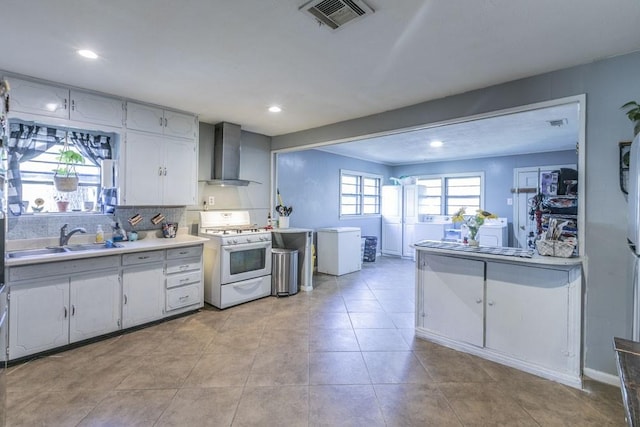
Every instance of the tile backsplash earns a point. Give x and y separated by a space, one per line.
48 225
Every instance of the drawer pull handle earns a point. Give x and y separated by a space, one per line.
184 280
184 298
143 257
479 300
184 267
184 252
490 303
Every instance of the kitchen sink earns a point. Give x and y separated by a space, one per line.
60 250
90 247
35 252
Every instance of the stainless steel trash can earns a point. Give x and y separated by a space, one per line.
284 272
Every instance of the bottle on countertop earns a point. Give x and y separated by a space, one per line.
118 233
99 235
269 222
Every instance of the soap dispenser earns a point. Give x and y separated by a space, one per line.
118 233
99 235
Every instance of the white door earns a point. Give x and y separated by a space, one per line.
38 98
458 285
143 292
92 108
180 178
145 118
38 317
94 305
179 124
527 312
144 155
391 237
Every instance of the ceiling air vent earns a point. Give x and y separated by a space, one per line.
336 13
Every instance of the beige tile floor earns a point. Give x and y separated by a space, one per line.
341 355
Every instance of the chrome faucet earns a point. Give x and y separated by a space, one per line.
64 237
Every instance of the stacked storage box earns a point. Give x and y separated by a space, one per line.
370 247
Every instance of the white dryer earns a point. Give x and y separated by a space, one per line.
494 232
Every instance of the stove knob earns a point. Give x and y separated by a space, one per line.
234 241
248 240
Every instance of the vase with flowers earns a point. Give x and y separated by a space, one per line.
472 222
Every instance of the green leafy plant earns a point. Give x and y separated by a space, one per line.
67 161
633 112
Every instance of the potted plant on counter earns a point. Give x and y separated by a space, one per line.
66 178
472 222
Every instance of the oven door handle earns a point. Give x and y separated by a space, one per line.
245 246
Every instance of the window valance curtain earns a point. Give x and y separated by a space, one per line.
93 147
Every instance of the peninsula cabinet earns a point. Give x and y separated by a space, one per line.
159 170
523 314
156 120
56 101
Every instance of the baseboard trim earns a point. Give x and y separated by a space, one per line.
602 377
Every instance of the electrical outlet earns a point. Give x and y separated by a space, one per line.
212 200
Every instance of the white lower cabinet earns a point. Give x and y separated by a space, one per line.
458 285
526 316
142 294
38 317
48 314
94 305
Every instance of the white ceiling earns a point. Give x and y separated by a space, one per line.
229 60
510 134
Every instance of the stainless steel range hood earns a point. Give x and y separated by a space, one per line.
226 156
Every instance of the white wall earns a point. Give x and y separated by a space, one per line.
607 84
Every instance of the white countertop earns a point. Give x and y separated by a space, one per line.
535 259
150 242
291 230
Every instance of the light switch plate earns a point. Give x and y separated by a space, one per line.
212 200
509 201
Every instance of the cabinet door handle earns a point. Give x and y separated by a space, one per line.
65 103
164 171
73 310
159 170
73 105
165 122
160 121
478 300
65 312
490 302
125 299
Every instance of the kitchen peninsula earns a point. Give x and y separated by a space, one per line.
521 310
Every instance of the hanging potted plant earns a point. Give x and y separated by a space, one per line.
634 115
65 178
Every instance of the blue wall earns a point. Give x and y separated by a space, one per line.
310 182
498 174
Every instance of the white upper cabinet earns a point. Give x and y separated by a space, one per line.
159 170
37 98
92 108
147 118
54 101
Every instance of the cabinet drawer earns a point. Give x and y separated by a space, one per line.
246 290
180 265
36 271
188 252
142 257
183 296
183 279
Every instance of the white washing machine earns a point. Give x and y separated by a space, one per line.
494 232
431 227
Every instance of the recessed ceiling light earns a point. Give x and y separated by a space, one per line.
436 144
275 109
88 54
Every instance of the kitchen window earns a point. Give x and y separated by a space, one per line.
33 150
359 194
446 194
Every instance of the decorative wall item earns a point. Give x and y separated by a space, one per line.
625 153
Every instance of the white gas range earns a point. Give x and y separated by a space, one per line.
237 258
